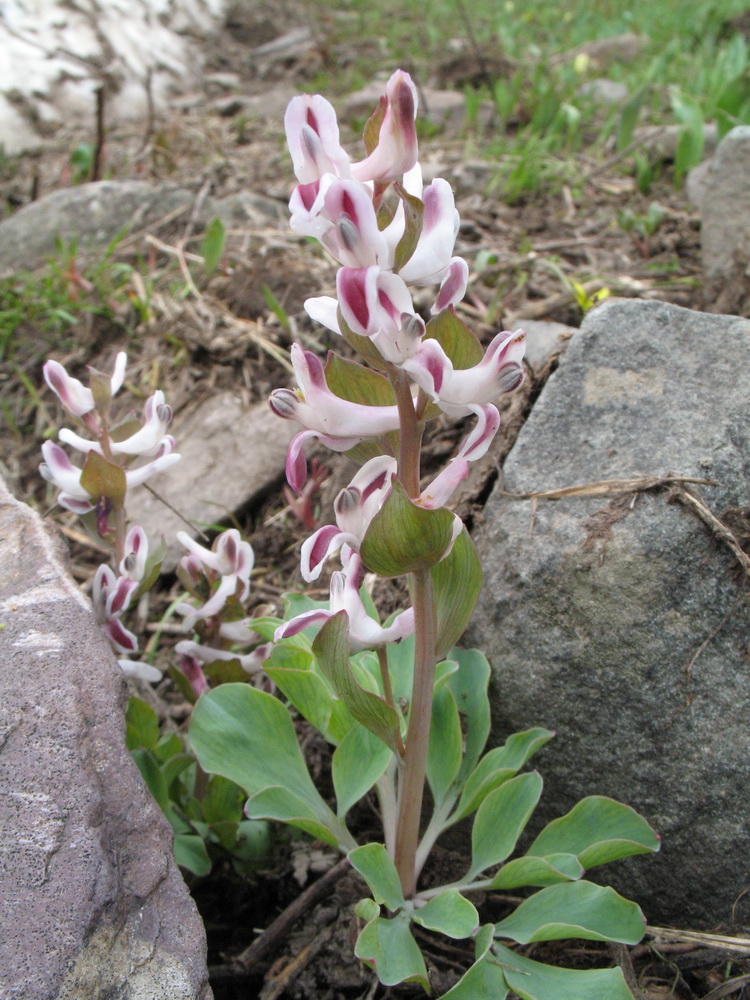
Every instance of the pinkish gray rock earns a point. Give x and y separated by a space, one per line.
93 904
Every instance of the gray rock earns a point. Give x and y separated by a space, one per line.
660 141
95 214
56 55
620 622
230 456
605 91
94 905
725 230
443 108
696 184
544 339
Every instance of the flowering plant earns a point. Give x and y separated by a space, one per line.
401 705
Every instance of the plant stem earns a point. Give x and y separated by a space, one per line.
411 433
418 735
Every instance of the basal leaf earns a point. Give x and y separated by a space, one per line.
307 692
142 725
446 744
497 766
190 853
377 869
358 762
231 731
456 581
501 819
469 687
598 829
450 913
485 979
532 980
538 871
279 803
405 538
574 910
387 945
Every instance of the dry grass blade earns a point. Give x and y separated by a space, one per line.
718 527
726 989
611 487
737 945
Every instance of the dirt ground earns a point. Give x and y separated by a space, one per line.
227 335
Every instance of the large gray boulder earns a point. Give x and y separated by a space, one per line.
93 904
725 225
95 215
621 622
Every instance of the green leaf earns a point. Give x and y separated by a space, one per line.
331 647
142 725
231 731
362 345
279 803
387 945
413 218
190 853
497 766
371 132
223 800
469 687
458 341
377 869
357 764
501 819
212 245
405 538
174 767
574 910
446 745
101 478
597 830
450 913
631 109
456 581
352 381
151 774
485 979
307 692
532 980
538 871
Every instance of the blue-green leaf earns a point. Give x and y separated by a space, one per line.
497 766
501 819
446 745
574 910
387 945
377 869
485 979
598 829
358 762
538 871
532 980
450 913
233 730
190 853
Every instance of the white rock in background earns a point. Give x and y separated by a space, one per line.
55 56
